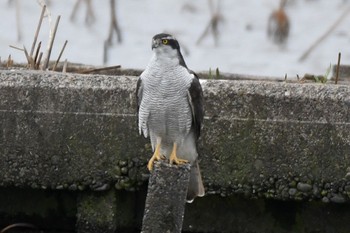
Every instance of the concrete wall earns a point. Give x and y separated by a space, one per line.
272 140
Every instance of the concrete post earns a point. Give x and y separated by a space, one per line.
166 198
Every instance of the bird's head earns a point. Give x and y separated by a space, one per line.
166 46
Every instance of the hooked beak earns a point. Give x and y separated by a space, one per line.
155 44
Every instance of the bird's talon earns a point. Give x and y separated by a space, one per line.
178 161
156 156
173 157
150 165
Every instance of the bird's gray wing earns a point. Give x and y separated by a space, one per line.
195 98
139 92
139 115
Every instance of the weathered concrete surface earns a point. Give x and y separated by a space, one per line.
278 140
166 198
68 132
272 140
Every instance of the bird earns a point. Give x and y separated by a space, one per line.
170 109
278 25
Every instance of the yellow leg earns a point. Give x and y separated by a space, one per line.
156 156
173 157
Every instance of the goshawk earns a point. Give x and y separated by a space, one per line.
170 109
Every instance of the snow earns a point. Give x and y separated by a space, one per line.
243 45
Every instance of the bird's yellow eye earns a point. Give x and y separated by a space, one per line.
165 41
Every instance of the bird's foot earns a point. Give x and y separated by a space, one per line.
174 159
156 156
151 161
177 161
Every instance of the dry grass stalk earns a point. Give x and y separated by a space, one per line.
338 68
37 65
38 29
65 64
34 60
59 56
9 62
37 52
29 58
51 41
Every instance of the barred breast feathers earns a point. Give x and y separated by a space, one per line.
165 89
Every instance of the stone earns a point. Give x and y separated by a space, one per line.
337 198
292 191
303 187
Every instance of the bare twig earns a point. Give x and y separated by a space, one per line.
324 36
213 25
15 47
59 56
205 33
338 67
89 17
114 25
52 39
99 69
38 29
75 8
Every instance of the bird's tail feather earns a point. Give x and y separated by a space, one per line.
195 187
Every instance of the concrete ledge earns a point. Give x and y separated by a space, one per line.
284 141
261 139
278 140
68 132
